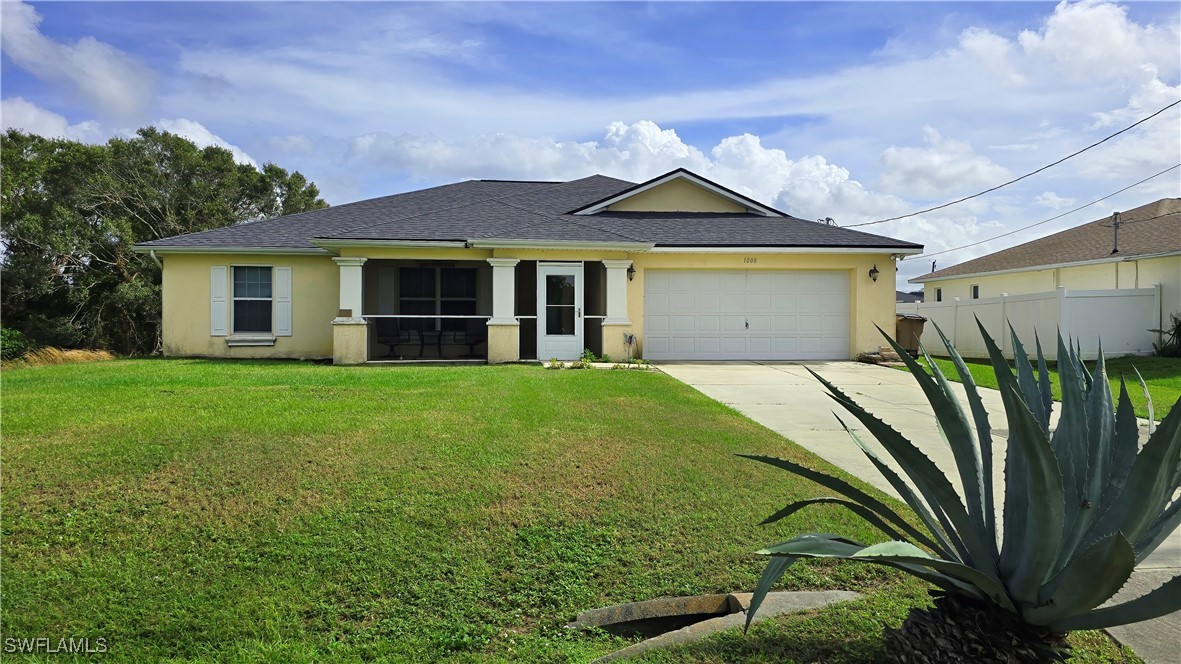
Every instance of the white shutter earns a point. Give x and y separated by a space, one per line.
217 301
282 302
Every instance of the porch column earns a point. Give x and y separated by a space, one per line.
504 330
616 323
350 332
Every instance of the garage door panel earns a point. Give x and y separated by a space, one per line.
657 303
758 302
756 314
709 302
734 323
759 324
732 281
734 345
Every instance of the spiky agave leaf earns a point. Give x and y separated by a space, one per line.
1034 498
1074 531
983 433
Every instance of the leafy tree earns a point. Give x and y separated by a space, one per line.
71 212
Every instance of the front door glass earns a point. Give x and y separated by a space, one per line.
559 304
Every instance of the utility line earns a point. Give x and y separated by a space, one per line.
1046 221
1031 173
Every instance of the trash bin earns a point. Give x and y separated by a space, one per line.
908 331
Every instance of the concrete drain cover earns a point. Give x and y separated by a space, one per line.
675 620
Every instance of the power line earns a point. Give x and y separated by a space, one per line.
1059 216
1031 173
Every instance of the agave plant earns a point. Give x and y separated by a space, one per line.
1082 505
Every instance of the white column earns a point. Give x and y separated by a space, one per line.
617 292
504 290
351 280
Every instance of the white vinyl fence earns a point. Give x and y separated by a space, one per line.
1120 318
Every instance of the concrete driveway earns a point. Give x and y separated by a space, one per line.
785 398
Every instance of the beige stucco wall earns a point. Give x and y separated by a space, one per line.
1144 273
186 302
315 293
676 196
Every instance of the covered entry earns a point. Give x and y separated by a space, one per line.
746 315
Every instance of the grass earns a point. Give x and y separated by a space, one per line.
1161 374
242 511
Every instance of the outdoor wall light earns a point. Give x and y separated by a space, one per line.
631 272
874 272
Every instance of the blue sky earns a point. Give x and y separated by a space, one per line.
856 111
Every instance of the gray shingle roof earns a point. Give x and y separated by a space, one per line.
1154 228
528 211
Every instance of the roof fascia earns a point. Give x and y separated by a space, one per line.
1050 266
180 249
681 174
901 251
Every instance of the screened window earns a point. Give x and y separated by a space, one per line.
438 291
252 299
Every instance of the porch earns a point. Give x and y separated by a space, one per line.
491 310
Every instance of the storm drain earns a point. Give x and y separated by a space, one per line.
675 620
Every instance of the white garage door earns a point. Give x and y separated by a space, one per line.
746 315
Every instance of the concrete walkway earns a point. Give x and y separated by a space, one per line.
785 398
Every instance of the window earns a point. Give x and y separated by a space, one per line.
938 294
446 291
975 291
252 300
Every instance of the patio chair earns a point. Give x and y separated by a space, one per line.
391 333
475 332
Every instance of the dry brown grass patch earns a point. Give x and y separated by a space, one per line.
50 356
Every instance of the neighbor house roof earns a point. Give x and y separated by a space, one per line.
503 211
1149 230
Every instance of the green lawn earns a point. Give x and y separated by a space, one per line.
214 511
1161 374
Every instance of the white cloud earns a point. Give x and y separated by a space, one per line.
294 143
113 81
1049 199
943 167
199 134
1092 40
19 113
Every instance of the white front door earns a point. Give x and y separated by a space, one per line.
559 311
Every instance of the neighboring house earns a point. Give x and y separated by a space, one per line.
507 270
1145 252
903 297
1090 283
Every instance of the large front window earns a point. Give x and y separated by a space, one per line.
434 291
252 299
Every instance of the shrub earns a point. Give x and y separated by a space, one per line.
1170 339
12 343
1082 505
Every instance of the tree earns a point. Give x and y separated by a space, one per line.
71 212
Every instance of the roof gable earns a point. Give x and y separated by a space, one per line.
679 191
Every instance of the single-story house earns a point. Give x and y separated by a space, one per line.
678 267
1140 248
